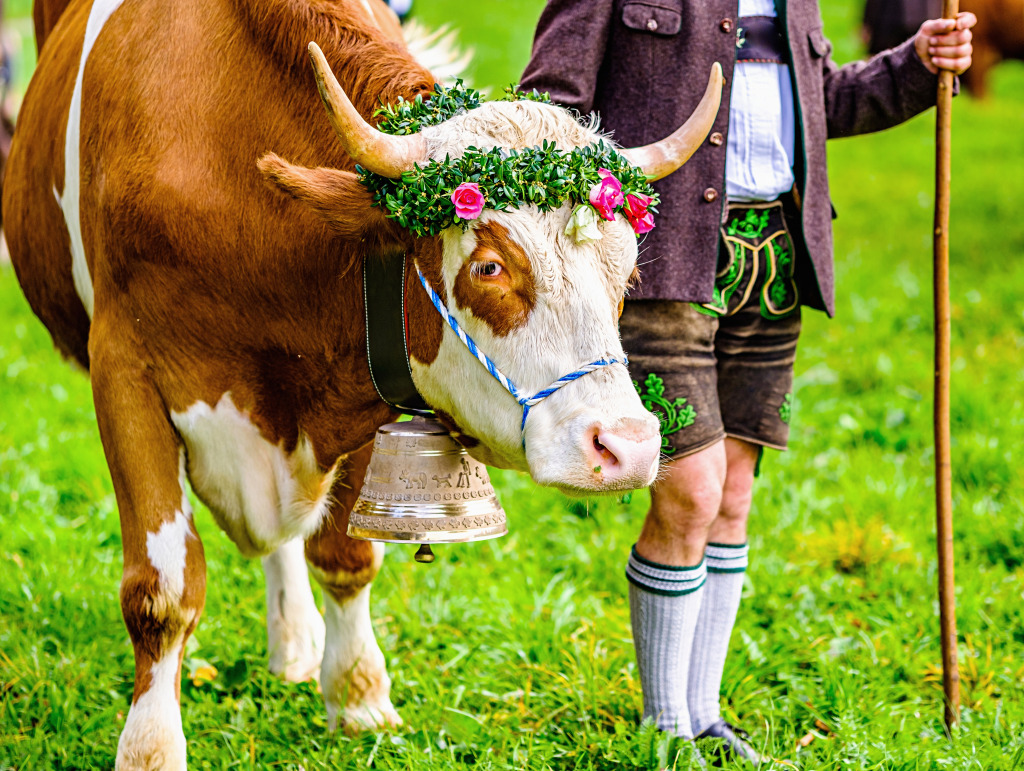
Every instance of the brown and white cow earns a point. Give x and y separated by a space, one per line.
221 321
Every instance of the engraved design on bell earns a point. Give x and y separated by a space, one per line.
422 486
425 524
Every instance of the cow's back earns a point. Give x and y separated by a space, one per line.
177 104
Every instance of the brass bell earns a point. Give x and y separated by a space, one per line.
421 486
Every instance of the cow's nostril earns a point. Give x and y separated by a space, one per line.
621 458
605 455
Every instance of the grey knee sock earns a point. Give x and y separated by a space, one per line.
726 568
664 604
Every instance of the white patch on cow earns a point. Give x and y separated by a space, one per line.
167 547
152 737
260 495
355 682
512 125
69 202
295 629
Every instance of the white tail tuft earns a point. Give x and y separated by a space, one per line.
438 51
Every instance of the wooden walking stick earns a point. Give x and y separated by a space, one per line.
943 479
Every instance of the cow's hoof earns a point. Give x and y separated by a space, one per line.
365 718
300 671
297 650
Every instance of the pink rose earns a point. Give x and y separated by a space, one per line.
636 212
468 200
606 195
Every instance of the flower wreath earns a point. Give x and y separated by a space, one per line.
440 194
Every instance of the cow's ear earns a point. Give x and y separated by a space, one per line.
337 196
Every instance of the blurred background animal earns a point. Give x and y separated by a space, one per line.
998 36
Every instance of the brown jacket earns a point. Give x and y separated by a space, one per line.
643 66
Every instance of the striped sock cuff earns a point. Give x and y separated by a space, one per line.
723 558
665 580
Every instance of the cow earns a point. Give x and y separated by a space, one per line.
212 291
998 35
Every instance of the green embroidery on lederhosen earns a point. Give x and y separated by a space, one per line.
752 225
673 416
726 282
786 408
739 236
779 295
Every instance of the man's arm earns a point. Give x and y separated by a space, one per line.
568 49
895 85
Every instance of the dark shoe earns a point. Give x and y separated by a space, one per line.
733 745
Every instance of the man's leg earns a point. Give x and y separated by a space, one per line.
671 350
666 573
755 347
726 560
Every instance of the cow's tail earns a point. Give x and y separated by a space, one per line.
438 51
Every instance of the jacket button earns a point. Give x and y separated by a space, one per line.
652 24
725 25
716 139
710 195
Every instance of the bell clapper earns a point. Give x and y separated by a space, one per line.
424 554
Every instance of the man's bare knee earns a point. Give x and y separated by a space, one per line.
684 503
736 500
737 493
690 506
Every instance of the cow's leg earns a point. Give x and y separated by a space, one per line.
295 630
356 686
163 587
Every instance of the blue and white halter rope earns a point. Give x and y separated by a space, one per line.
526 401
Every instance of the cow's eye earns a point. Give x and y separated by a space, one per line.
488 269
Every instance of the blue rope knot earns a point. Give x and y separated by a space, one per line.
525 401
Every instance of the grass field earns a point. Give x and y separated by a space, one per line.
516 653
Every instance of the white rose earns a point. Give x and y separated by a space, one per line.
582 225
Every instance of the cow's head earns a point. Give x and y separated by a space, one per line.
539 302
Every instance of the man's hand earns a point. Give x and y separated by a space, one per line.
945 44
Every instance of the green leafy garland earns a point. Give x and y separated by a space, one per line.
446 102
544 176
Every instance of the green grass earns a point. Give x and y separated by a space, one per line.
516 653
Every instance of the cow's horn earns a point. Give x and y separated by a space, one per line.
374 150
662 158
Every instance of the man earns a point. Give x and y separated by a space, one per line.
743 241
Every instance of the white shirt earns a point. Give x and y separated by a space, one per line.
762 125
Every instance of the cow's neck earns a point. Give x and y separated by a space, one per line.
333 402
425 326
